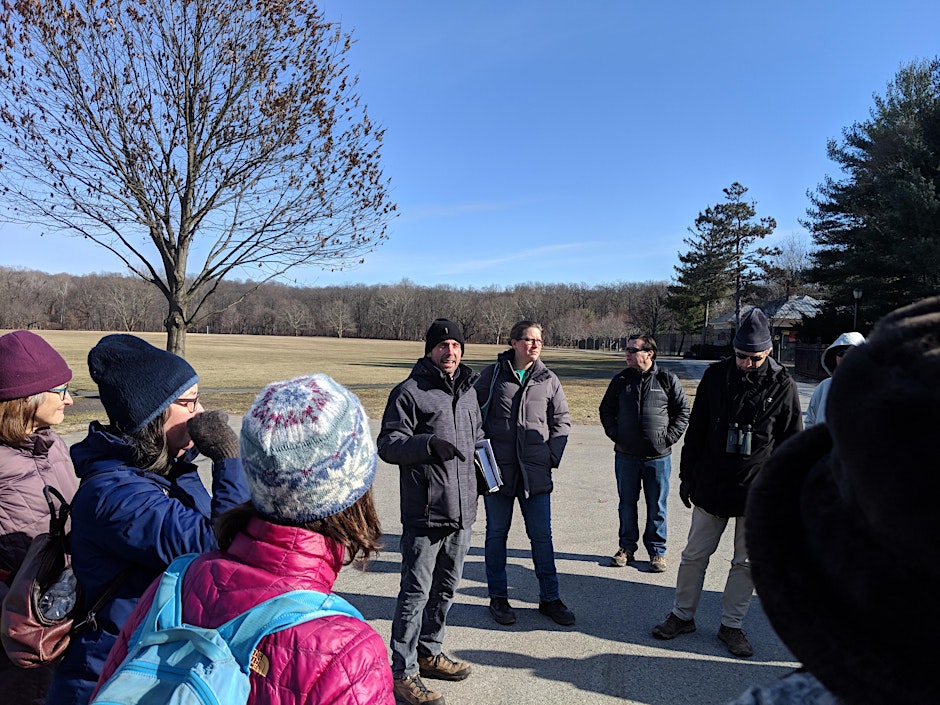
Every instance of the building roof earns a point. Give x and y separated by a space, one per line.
780 312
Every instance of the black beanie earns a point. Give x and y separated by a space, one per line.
753 335
137 381
442 330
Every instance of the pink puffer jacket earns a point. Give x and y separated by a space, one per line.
332 660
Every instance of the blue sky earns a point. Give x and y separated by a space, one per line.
576 142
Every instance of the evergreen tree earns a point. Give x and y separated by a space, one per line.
878 229
722 257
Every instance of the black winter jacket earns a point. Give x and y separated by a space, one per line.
644 413
767 400
527 423
433 494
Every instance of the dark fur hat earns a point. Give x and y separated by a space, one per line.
842 523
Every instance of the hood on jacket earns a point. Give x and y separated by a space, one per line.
846 340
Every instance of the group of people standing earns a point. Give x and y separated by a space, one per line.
291 499
290 504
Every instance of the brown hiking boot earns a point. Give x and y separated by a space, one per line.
735 640
410 690
658 564
621 558
443 667
673 627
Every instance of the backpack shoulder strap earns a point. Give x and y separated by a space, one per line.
244 632
166 610
485 407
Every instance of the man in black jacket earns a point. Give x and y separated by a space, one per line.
644 412
745 406
431 423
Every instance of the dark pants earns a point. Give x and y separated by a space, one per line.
431 566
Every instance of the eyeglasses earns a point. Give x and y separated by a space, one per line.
531 341
61 391
752 358
190 404
634 351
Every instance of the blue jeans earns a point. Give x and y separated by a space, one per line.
431 566
653 474
537 514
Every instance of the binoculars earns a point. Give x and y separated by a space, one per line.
739 439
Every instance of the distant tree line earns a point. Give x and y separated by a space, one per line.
569 312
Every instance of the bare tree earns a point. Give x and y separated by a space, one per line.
128 302
296 316
208 135
650 313
338 316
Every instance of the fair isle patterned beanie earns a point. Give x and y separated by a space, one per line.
306 449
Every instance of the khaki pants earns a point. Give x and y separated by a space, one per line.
704 535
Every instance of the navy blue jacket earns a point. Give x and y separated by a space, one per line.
123 517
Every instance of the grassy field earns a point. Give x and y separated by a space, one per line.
233 368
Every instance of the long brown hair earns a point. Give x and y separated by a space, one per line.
357 527
16 418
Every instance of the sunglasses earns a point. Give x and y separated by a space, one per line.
745 356
634 351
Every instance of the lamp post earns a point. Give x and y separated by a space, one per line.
857 295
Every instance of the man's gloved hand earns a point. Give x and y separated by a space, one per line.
213 436
685 493
444 450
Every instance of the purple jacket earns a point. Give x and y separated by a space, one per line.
43 459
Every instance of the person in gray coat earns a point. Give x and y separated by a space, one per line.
527 421
429 429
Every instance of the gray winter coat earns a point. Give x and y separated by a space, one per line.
527 423
433 494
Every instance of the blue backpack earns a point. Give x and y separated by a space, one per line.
172 663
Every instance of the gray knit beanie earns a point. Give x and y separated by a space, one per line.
753 334
306 449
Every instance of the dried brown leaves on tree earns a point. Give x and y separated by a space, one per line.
193 140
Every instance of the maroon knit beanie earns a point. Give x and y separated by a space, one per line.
29 365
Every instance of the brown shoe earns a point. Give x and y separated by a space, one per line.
443 667
658 564
621 558
735 640
410 690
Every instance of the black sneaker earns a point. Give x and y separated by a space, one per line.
501 611
673 627
557 611
735 640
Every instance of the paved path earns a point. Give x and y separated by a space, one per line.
609 656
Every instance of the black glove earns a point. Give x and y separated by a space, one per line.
685 493
213 436
443 450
